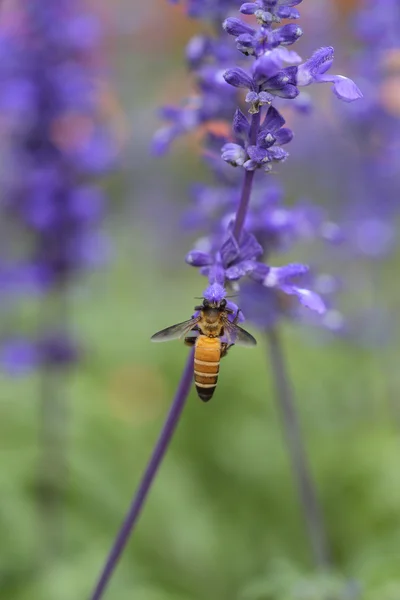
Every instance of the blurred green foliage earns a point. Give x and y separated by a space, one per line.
223 521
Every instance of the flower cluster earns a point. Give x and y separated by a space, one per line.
266 150
231 252
235 260
277 228
54 143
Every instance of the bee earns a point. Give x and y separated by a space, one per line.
212 333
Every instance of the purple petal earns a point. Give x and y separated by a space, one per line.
273 120
266 67
343 87
196 49
240 270
264 98
289 92
245 43
260 272
238 78
283 84
237 27
198 259
248 8
286 35
284 136
241 125
288 56
265 141
285 12
248 249
250 165
316 65
307 297
233 154
215 274
277 153
19 357
278 276
258 155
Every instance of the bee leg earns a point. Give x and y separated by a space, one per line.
236 319
190 341
224 348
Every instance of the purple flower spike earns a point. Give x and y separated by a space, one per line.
56 145
238 207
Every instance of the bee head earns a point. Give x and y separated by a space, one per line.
214 304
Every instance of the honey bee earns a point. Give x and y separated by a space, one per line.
212 334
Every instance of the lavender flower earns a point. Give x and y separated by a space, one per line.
54 143
231 253
258 142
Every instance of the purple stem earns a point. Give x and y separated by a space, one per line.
147 479
247 183
305 486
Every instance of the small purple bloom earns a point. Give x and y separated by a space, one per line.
265 152
314 69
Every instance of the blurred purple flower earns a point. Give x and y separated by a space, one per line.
54 141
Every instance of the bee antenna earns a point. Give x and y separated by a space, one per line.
198 298
233 296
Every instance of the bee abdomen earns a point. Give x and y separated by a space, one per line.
206 368
205 383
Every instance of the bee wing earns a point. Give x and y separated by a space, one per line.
175 331
237 335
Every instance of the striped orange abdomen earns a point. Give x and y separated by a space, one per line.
207 355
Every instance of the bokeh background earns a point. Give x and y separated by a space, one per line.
223 521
